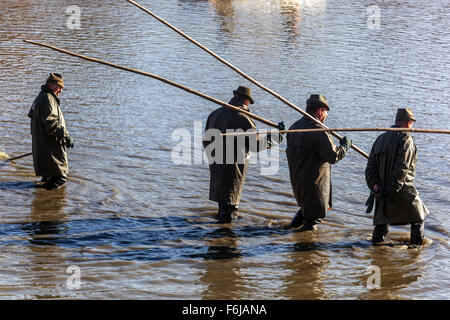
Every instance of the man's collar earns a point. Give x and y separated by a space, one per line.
246 108
46 88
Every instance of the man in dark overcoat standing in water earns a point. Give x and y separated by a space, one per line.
50 138
230 157
390 176
310 156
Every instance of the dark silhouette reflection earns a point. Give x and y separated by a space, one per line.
327 246
47 260
47 216
304 267
221 277
225 11
306 246
290 13
222 245
399 267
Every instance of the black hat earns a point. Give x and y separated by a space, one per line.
318 99
405 114
244 91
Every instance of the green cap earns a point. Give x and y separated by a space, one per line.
317 99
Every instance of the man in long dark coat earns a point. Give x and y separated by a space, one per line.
50 138
390 175
230 157
310 156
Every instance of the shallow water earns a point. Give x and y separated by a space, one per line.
139 226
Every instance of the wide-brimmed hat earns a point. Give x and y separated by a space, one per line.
404 114
317 99
56 78
244 91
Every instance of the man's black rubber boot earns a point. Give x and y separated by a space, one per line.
297 221
219 212
54 182
228 213
379 233
310 225
417 233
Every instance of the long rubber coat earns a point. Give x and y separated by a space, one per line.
392 165
310 156
48 130
227 177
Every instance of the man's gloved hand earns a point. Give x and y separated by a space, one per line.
346 143
370 201
70 142
377 190
281 126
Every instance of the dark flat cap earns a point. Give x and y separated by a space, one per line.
404 114
244 91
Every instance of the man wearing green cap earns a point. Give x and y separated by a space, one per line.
390 175
50 138
310 156
228 171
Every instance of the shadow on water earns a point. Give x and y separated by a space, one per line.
15 185
324 246
147 239
151 239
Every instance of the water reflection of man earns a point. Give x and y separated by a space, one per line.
47 214
290 12
50 138
45 271
310 156
305 267
385 264
221 277
226 12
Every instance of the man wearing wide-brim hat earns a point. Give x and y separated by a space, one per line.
230 157
310 156
390 175
50 137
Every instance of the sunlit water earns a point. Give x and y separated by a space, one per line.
138 225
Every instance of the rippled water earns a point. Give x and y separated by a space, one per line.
137 225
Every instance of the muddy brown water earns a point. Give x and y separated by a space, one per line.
138 225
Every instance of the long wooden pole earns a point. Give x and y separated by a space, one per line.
418 130
180 86
290 104
19 157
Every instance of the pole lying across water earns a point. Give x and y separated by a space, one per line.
279 97
19 157
417 130
180 86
